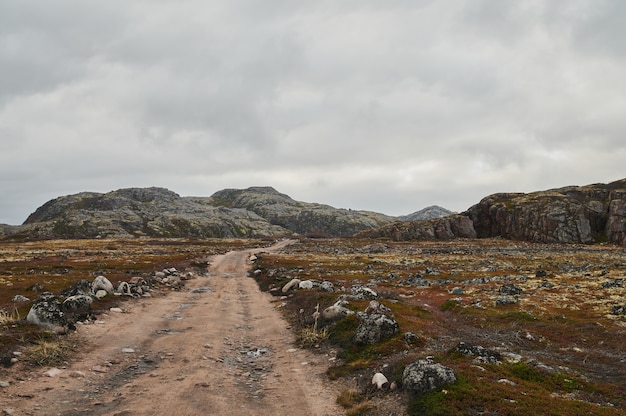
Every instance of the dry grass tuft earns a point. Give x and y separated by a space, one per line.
9 318
51 350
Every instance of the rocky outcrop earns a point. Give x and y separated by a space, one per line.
574 214
446 228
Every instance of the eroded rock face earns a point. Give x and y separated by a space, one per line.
445 228
375 327
426 375
575 214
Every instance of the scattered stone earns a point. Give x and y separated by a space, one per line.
305 284
377 307
5 384
116 310
8 411
510 289
613 283
363 292
483 354
101 294
546 284
99 369
292 284
618 310
53 372
20 298
77 374
336 312
375 327
410 338
77 307
425 375
327 286
380 380
457 291
82 287
507 381
541 273
506 300
128 350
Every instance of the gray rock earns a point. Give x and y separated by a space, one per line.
423 376
457 291
102 283
510 289
410 338
484 355
374 328
101 294
327 286
506 300
618 310
305 284
20 298
336 312
292 284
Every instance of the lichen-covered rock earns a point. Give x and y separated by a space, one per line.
82 287
374 328
77 308
46 311
425 375
445 228
362 292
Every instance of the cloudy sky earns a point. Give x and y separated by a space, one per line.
383 105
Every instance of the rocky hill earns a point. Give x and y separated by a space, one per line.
574 214
300 217
158 212
428 213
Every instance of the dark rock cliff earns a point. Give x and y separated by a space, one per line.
573 214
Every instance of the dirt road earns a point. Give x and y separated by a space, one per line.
218 347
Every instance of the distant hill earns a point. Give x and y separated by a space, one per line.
574 214
428 213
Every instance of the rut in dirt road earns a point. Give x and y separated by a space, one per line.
217 347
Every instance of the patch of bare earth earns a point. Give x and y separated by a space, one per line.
218 346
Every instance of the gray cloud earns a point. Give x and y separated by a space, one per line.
359 104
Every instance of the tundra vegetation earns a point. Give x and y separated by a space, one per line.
527 328
554 347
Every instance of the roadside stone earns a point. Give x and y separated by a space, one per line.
101 294
102 283
292 284
425 375
20 298
336 312
77 307
46 311
5 384
53 372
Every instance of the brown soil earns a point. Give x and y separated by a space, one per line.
219 346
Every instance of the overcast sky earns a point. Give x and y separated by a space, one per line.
388 106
